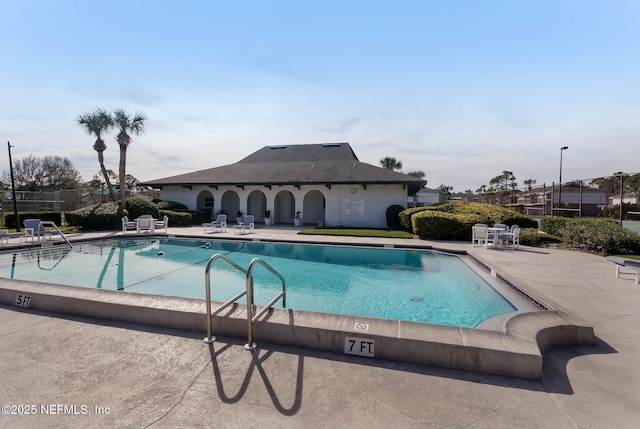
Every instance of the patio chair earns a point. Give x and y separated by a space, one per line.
145 223
246 226
128 225
162 224
219 224
512 237
480 234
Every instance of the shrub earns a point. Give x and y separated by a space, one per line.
171 205
435 225
405 217
553 225
178 218
393 221
529 236
97 216
467 215
137 207
602 236
10 218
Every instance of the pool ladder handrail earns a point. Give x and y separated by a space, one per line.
51 223
252 319
248 292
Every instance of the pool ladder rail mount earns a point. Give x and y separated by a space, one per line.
248 292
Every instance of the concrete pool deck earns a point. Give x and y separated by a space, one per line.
153 377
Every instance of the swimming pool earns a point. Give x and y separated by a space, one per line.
394 284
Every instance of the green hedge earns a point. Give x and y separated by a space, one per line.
602 236
456 219
171 205
553 224
105 216
435 225
98 216
178 218
10 218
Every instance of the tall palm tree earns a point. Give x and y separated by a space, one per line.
529 183
391 163
97 123
126 124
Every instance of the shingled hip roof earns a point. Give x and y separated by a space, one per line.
334 163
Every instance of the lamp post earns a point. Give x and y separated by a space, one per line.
621 174
560 184
13 188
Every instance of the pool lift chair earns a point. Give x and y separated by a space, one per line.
40 230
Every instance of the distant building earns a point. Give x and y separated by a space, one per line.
547 200
629 198
425 197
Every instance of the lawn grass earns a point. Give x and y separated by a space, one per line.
357 232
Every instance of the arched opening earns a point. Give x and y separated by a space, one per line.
256 205
204 206
230 204
284 206
313 207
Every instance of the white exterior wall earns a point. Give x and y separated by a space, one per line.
345 205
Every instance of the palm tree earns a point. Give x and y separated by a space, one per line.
529 183
126 124
97 123
391 163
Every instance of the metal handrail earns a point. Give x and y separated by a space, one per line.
252 319
51 223
207 283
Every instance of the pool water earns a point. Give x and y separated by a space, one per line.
375 282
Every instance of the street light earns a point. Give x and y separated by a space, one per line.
13 189
621 174
560 190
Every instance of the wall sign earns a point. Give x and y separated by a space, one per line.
354 206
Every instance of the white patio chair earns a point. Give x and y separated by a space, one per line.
246 226
512 237
145 223
128 225
480 234
162 224
220 224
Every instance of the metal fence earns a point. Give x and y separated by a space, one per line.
58 201
581 197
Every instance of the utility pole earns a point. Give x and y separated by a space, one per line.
13 188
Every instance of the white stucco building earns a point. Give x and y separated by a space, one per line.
318 183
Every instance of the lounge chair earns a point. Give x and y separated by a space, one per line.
145 223
627 263
162 224
219 224
246 226
128 225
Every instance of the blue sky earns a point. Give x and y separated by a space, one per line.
461 90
